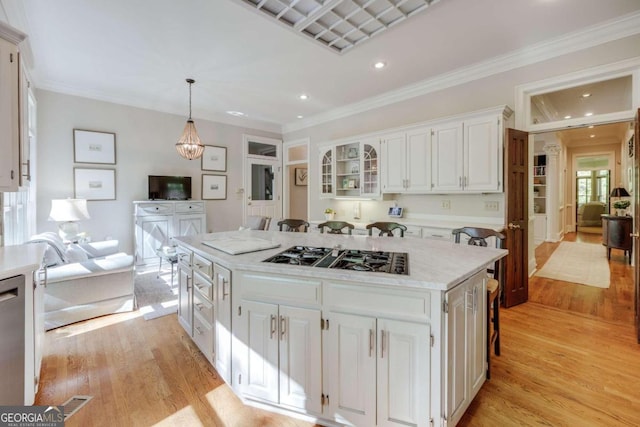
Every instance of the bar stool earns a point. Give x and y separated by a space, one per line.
386 228
478 237
335 227
293 225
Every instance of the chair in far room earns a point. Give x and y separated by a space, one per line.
335 227
294 225
479 237
257 222
386 228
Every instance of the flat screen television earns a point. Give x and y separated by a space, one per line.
169 187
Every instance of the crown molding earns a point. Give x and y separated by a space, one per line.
11 34
614 29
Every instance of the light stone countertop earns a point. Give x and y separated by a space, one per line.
20 259
433 264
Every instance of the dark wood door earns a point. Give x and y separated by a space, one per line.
516 286
636 223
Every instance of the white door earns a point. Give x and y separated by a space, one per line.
393 164
152 233
263 177
300 359
351 369
419 161
403 373
481 154
223 322
189 225
446 160
259 330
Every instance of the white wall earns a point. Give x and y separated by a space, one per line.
488 92
145 145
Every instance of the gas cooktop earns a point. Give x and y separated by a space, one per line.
344 259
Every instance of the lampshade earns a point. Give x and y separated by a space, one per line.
189 145
619 192
68 210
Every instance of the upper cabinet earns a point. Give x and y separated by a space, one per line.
405 165
350 170
9 117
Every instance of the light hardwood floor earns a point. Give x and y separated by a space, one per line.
565 361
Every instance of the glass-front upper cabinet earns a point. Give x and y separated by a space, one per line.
370 177
348 170
327 189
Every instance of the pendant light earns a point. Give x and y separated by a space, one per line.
189 145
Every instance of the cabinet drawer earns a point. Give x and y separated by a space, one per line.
203 337
413 231
154 209
203 265
184 256
279 289
203 307
379 301
203 284
436 233
190 207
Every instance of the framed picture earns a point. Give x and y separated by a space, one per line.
214 158
351 183
301 176
94 147
94 184
631 146
214 187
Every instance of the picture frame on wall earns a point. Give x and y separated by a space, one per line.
214 158
301 176
94 147
214 187
94 184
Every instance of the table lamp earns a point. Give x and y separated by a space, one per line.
619 192
68 211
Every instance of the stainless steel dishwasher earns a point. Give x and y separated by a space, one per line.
12 340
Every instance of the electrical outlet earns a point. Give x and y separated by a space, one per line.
445 204
491 206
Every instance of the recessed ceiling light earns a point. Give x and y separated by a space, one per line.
300 117
567 117
588 114
586 95
236 113
380 64
592 136
304 96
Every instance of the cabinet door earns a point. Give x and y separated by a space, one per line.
185 295
327 173
370 177
482 154
152 233
222 277
258 330
189 225
9 117
300 359
403 373
477 335
393 163
446 160
457 379
351 369
419 161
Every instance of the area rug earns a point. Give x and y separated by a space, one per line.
576 262
155 294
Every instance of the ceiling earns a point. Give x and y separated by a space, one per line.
139 52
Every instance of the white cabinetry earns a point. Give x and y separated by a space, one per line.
157 222
350 169
380 370
464 351
278 354
185 294
405 162
9 115
222 333
467 155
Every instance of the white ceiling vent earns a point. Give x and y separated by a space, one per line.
339 24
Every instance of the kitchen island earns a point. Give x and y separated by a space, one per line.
340 347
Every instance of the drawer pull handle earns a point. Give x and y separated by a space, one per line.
382 346
283 326
371 346
273 325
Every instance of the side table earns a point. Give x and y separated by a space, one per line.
616 233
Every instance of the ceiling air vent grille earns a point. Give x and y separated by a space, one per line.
339 24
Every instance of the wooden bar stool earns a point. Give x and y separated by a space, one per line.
293 225
386 228
335 227
478 237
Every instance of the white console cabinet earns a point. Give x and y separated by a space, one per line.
158 221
